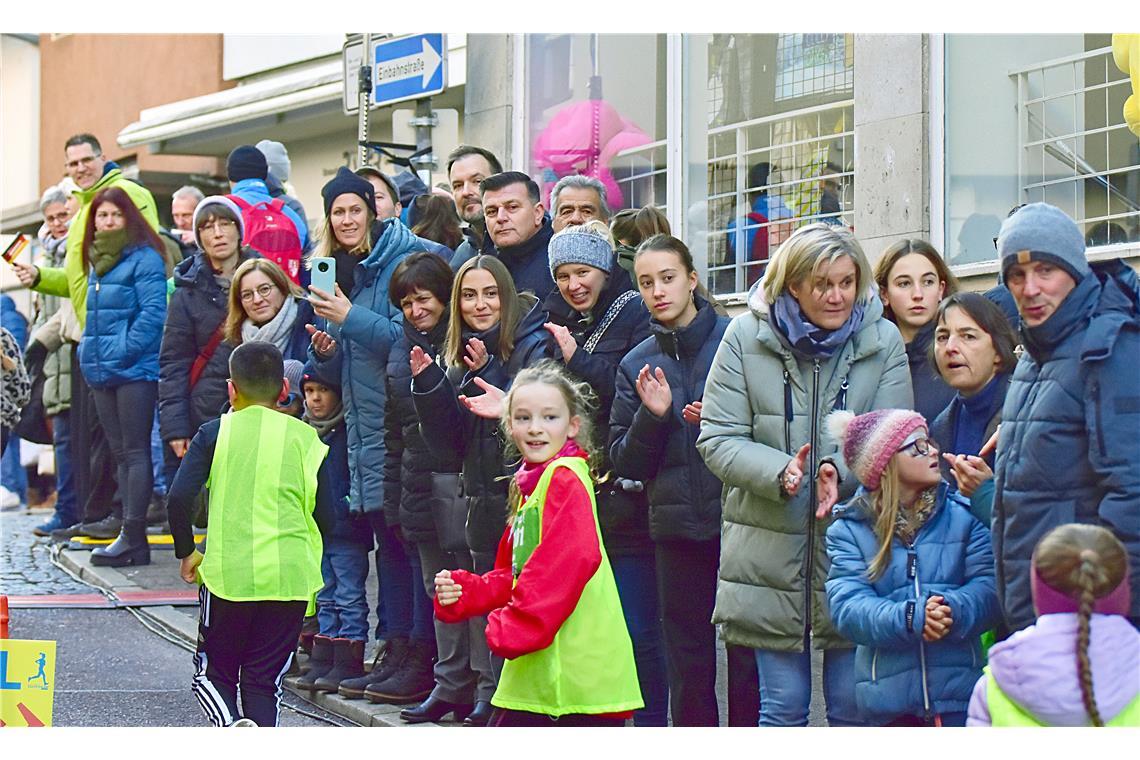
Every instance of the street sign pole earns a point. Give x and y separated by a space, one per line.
424 121
365 97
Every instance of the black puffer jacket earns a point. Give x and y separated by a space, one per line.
931 393
408 462
194 313
623 514
453 432
684 496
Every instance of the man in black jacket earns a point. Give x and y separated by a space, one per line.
518 230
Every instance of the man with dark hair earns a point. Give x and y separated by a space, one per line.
93 466
518 230
467 166
258 372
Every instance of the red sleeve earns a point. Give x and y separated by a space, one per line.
481 593
552 580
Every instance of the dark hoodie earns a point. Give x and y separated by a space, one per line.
528 262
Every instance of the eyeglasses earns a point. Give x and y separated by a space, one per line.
221 225
85 161
922 447
262 290
56 218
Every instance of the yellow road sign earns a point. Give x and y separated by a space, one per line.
27 682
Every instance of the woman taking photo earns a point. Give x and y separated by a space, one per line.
126 308
265 305
912 279
813 340
361 324
973 352
194 358
492 333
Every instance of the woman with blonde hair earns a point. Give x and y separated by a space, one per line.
265 305
812 340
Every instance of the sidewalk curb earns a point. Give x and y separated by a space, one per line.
185 628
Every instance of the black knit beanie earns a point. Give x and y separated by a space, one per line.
246 162
347 182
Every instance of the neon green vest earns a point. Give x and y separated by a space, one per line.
1005 713
588 668
263 542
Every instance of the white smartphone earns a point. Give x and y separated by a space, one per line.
323 274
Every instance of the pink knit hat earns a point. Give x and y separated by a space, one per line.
870 440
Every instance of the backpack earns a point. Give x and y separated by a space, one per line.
272 234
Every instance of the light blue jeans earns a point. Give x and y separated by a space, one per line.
785 687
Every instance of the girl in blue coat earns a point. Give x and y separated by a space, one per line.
126 309
912 575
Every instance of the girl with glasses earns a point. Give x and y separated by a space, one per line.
912 575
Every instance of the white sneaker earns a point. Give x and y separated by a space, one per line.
243 723
9 501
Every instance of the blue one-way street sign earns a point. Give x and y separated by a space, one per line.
408 67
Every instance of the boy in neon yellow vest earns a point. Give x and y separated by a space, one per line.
554 609
269 503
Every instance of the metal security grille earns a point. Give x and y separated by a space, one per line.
811 178
641 174
1075 149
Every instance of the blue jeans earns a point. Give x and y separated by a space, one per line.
12 472
66 504
785 687
636 579
394 581
342 606
156 456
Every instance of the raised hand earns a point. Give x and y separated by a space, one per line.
564 339
654 391
692 413
488 405
793 475
332 306
826 489
26 273
969 471
323 343
476 354
419 360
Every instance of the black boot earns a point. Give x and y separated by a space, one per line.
156 511
348 662
394 653
410 683
108 527
481 715
432 710
130 548
320 662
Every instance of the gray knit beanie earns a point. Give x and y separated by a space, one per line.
277 158
581 244
1041 232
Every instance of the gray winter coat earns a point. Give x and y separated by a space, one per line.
769 543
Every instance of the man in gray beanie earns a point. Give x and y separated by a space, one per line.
277 179
1068 450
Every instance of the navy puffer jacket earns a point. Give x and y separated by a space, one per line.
1068 450
896 672
623 514
196 311
451 431
931 393
408 462
126 309
365 338
684 496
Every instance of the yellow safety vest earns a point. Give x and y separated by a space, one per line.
263 542
1005 713
588 669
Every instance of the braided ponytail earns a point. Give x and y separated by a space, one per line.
1089 573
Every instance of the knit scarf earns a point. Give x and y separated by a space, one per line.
277 331
327 425
107 249
909 522
804 337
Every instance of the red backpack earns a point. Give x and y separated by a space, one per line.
272 234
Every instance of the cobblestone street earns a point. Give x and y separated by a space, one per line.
25 559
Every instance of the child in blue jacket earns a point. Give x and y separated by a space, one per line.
912 575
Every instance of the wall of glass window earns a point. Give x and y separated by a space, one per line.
1036 118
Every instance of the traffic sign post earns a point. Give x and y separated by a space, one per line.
408 68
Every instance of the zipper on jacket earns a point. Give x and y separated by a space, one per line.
1099 421
875 666
813 495
920 604
789 412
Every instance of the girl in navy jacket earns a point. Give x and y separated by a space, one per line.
912 575
126 309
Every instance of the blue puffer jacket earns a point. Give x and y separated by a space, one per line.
684 496
1067 450
365 338
126 309
896 672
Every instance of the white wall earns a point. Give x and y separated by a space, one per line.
246 54
20 109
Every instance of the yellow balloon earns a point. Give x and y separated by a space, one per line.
1126 55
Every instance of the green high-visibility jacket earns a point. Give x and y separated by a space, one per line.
588 667
263 542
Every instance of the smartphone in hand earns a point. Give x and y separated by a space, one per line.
323 274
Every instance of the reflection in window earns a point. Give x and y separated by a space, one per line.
597 108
